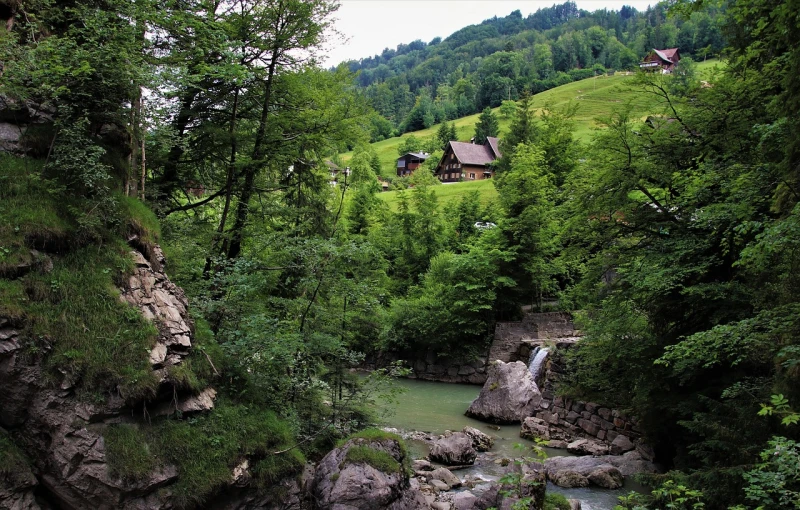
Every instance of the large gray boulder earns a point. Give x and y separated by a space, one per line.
453 449
342 484
509 395
621 444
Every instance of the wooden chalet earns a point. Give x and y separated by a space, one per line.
335 172
661 60
407 163
468 161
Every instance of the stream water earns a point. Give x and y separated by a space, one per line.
435 407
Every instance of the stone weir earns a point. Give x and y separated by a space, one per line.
513 341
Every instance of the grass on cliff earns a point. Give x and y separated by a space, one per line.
64 294
205 449
12 460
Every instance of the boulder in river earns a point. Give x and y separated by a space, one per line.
509 395
453 449
480 441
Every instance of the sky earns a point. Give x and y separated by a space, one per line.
372 25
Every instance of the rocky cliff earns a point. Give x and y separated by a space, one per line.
63 433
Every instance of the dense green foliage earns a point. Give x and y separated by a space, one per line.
420 84
677 235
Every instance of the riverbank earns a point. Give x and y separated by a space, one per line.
434 407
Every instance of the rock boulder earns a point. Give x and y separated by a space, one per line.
509 395
607 477
480 441
626 465
340 484
453 449
587 447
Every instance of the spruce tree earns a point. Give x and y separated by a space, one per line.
487 126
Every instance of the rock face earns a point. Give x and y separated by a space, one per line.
16 491
604 471
509 395
163 302
62 434
453 449
342 485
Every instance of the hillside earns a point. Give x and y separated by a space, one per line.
419 84
594 98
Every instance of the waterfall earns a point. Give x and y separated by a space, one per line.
536 361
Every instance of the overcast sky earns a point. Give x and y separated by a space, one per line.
372 25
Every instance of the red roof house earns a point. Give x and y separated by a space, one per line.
661 60
468 161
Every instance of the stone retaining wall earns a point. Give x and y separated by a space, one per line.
567 419
513 341
432 368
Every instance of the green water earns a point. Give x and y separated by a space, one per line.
435 407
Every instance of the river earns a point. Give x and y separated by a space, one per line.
435 407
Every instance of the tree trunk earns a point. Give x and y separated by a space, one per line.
251 169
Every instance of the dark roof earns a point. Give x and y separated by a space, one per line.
493 143
472 154
420 155
331 165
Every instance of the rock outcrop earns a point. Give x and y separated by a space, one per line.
63 434
509 395
341 484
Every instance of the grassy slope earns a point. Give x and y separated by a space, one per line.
594 97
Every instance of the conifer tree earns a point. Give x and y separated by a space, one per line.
487 126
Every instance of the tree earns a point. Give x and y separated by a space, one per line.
527 193
508 108
446 133
487 126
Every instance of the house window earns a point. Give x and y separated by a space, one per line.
471 176
452 157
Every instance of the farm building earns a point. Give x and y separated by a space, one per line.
663 60
468 161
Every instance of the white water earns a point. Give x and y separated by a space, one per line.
536 361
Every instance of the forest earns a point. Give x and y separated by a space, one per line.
205 127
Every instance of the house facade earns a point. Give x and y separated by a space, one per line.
407 163
464 161
335 173
661 60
